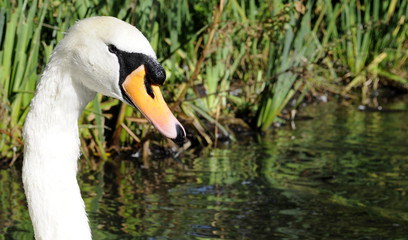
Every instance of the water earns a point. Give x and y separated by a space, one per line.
341 174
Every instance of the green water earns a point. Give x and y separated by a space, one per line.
340 174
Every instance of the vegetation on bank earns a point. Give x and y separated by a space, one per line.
228 62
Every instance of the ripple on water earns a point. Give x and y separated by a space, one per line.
341 175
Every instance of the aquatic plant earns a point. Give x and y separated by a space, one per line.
225 60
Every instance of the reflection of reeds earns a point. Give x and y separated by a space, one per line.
224 59
336 165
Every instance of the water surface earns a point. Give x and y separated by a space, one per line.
340 174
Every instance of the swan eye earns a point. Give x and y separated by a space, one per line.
112 48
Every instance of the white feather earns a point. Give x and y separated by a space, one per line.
80 66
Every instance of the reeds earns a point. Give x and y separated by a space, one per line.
362 39
19 57
224 60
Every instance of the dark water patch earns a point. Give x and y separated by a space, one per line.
341 175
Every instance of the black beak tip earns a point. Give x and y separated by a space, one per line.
181 136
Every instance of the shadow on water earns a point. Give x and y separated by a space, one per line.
341 175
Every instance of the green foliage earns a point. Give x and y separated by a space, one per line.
297 48
223 59
373 42
19 61
358 44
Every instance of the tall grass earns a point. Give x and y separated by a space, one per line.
373 38
224 60
296 51
19 62
359 44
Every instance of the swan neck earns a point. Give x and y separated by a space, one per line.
51 151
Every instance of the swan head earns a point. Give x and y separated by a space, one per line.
112 57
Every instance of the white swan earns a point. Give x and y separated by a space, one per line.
98 54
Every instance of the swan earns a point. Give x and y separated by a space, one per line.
98 54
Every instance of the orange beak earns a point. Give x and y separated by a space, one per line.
149 100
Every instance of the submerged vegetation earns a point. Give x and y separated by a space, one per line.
228 63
